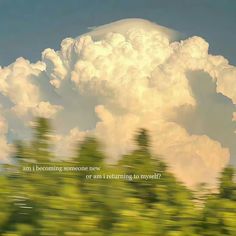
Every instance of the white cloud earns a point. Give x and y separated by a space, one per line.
16 84
45 109
127 75
123 26
67 144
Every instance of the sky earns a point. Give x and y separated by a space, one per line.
177 82
30 26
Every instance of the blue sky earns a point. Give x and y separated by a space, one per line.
29 26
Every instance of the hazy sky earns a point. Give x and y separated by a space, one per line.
29 26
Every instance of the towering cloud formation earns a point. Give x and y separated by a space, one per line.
114 80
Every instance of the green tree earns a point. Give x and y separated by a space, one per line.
71 203
219 213
227 184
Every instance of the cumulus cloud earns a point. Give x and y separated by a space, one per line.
116 79
65 144
46 110
122 26
16 85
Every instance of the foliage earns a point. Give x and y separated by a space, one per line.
34 202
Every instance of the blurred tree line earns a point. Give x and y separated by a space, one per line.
67 203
